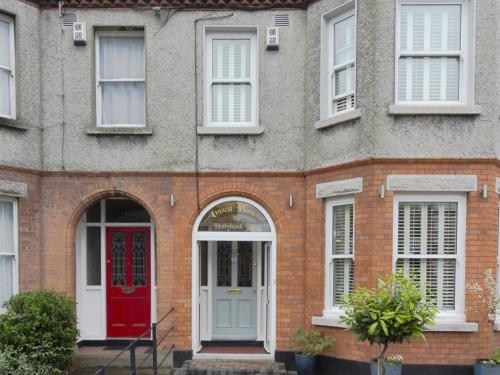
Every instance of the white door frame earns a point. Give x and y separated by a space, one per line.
83 290
231 236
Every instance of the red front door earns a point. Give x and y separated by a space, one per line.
128 281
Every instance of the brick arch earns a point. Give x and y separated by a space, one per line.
251 192
72 224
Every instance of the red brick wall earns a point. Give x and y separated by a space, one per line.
48 250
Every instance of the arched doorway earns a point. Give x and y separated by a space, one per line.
115 270
234 282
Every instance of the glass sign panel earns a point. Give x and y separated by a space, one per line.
234 216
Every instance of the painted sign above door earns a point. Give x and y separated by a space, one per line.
234 216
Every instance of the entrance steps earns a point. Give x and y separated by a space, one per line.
232 367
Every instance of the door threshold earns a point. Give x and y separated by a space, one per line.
235 356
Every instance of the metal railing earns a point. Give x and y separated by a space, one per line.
154 351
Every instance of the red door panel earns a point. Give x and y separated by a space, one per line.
128 281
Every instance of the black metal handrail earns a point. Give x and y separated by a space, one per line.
134 343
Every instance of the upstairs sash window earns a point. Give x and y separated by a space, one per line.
120 79
231 90
432 53
8 250
7 68
343 63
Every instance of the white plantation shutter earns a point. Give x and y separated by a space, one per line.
231 81
122 79
342 262
7 250
430 50
427 248
7 64
343 69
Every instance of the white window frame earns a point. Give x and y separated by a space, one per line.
465 54
12 69
118 34
497 315
332 310
15 263
328 20
231 32
457 315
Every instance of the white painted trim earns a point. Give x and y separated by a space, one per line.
15 254
432 182
330 309
327 321
235 357
230 236
98 80
448 316
328 19
433 108
339 187
466 54
338 118
12 68
231 32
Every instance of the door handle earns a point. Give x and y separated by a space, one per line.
234 291
127 290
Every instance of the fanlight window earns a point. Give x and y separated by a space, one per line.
234 216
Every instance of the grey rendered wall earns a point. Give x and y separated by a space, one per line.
18 147
379 135
170 66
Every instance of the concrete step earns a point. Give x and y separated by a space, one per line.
227 367
120 371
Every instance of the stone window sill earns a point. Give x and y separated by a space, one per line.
328 321
13 124
334 321
430 110
338 119
119 131
230 130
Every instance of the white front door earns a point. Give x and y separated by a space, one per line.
234 280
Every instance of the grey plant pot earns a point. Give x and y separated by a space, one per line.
485 369
305 364
390 368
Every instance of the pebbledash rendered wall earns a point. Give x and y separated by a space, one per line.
66 169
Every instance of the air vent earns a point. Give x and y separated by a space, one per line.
69 19
281 20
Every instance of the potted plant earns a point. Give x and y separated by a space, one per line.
393 312
306 345
393 365
489 366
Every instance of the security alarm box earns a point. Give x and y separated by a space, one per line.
272 40
79 34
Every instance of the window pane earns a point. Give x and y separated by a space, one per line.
224 255
6 278
342 230
94 213
343 279
123 103
344 80
234 216
125 211
344 41
118 259
5 44
428 78
430 27
122 57
4 92
139 258
231 59
231 102
6 227
245 264
93 256
204 263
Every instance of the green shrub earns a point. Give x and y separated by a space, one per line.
20 364
41 325
310 342
394 312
